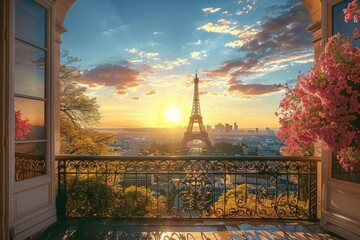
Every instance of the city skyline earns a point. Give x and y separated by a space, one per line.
140 66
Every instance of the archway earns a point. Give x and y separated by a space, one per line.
313 8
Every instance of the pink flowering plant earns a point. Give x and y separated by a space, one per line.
352 11
325 105
22 126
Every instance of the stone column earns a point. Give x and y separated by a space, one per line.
61 8
59 29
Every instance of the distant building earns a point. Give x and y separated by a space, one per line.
208 128
257 130
219 127
236 127
228 127
269 132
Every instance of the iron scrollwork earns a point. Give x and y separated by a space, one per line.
183 187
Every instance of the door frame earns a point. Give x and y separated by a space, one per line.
30 203
4 163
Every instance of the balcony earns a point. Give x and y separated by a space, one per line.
185 197
187 187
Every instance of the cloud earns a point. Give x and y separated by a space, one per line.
131 50
286 31
235 44
135 98
119 75
145 69
225 26
143 54
242 66
150 93
239 13
113 30
136 60
203 93
199 42
211 10
121 92
157 33
149 55
254 89
247 2
170 64
195 54
275 9
225 12
198 54
279 41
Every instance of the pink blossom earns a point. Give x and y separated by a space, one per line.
349 159
324 105
352 11
22 126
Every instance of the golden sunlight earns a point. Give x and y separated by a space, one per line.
173 114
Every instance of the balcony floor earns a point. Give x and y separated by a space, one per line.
160 229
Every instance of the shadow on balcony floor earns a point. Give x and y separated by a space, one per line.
183 230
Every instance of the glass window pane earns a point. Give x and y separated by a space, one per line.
29 70
29 119
338 172
29 160
340 26
30 21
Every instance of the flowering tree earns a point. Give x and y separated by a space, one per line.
22 126
352 11
325 103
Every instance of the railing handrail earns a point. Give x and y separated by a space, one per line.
187 186
172 157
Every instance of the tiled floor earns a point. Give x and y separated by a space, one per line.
160 229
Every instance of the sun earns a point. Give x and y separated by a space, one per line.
173 114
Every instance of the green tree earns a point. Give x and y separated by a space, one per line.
139 202
75 106
77 111
228 149
77 141
95 197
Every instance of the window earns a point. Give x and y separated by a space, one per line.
340 26
30 94
346 28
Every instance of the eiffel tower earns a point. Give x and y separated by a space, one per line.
196 117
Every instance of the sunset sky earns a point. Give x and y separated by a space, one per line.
139 58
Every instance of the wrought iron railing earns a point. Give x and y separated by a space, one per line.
187 187
28 166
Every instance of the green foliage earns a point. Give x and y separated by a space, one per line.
162 149
236 197
240 199
77 110
92 197
88 197
228 149
84 141
75 105
138 202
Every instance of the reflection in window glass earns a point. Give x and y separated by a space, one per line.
340 26
29 70
338 172
30 21
31 113
29 160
